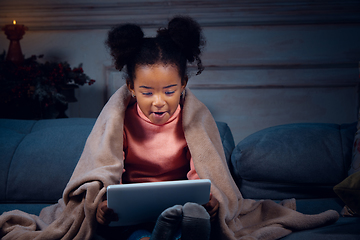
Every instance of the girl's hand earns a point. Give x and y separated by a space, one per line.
105 215
212 207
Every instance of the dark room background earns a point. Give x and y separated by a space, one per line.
266 62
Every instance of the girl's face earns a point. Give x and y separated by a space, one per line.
158 90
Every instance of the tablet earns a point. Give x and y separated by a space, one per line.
136 203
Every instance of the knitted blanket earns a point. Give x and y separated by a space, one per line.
101 164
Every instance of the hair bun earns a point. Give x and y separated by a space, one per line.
187 34
124 41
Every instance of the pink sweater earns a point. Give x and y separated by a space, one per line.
155 153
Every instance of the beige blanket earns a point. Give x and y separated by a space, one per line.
101 164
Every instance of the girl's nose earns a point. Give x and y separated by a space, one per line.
159 101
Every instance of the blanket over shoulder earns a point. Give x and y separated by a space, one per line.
101 164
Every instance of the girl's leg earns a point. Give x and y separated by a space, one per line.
167 224
193 219
196 223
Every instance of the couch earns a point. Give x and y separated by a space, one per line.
303 161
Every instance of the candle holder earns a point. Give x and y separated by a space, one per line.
14 33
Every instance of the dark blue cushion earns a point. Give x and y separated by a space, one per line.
45 158
11 134
9 141
31 208
19 126
227 139
303 160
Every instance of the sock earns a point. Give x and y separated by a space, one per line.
167 224
195 223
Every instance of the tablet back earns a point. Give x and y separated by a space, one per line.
143 202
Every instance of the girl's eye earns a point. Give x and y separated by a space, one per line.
169 93
147 93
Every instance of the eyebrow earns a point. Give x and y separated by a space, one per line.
173 85
146 87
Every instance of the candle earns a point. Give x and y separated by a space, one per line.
14 33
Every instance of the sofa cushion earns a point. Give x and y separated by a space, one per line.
303 160
11 134
227 140
19 126
45 158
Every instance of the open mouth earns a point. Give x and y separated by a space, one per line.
159 113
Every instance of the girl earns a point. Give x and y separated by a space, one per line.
154 144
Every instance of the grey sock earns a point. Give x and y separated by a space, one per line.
196 222
167 223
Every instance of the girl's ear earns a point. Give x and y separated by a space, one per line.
130 86
184 82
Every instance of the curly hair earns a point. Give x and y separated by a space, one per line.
181 42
